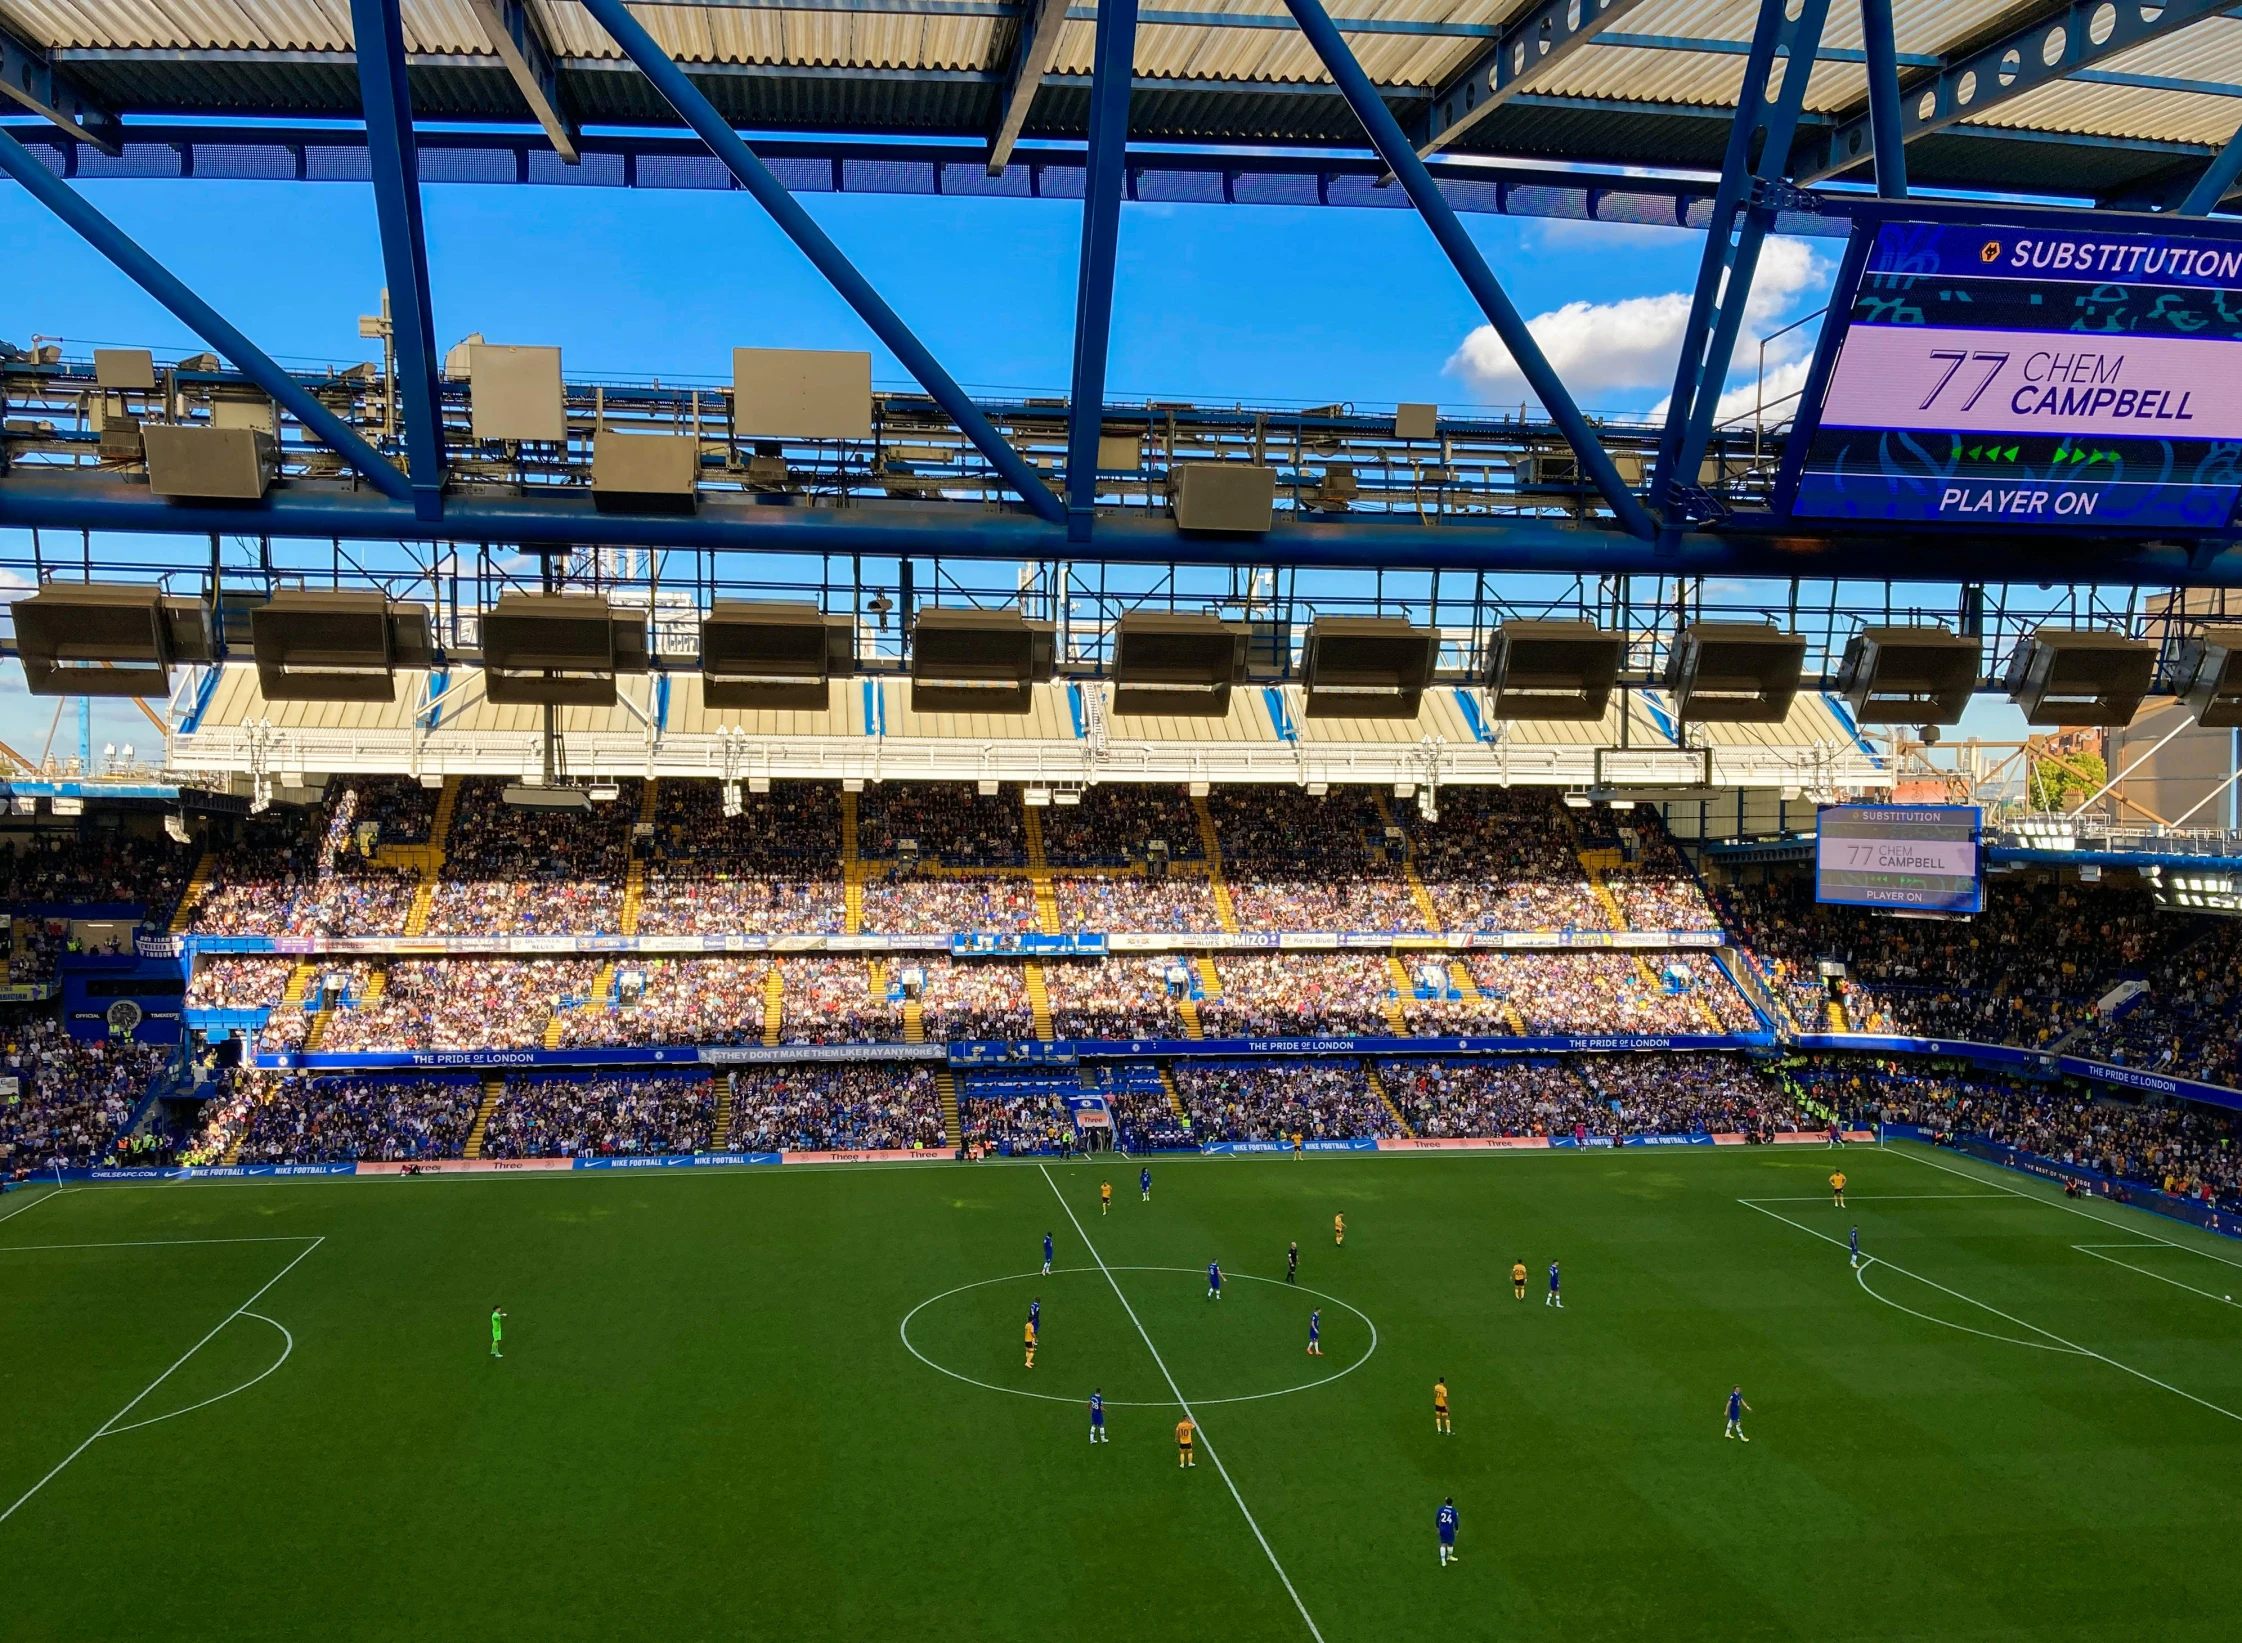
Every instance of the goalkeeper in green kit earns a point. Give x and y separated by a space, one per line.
497 1331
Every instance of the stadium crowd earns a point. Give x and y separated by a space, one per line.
1607 992
328 1120
71 1095
1115 998
975 1000
1299 995
1007 1114
1295 861
775 867
459 1004
835 1106
96 868
1503 859
568 1115
2187 1020
229 981
1253 1101
903 902
837 1000
514 871
674 1001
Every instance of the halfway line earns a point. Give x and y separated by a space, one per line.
1266 1549
108 1425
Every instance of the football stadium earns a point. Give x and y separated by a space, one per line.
667 973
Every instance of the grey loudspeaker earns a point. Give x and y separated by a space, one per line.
233 464
645 473
1236 497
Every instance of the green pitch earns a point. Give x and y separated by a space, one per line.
708 1421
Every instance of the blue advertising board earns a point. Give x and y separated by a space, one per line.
2022 367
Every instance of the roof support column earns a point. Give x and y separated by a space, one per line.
2218 177
1113 68
1440 217
1031 61
380 34
198 316
1889 135
798 225
1744 209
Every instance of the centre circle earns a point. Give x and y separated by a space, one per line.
1131 1329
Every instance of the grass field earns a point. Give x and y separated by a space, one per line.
709 1423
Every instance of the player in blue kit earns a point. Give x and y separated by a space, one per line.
1144 1182
1448 1532
1737 1410
1315 1334
1046 1255
1097 1416
1035 1314
1214 1280
1553 1298
1856 1246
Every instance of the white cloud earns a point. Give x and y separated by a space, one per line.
1609 353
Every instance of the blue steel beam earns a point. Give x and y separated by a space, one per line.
1523 545
28 76
1032 56
1883 99
754 176
1750 195
380 33
2218 177
198 316
1494 302
519 39
2051 42
1544 34
1115 60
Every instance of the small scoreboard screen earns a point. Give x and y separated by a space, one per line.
1906 857
2047 375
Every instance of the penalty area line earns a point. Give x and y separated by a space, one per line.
110 1425
1206 1442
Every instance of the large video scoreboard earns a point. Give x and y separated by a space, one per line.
1905 857
2032 372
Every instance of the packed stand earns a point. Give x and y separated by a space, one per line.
899 902
1661 1094
1245 1101
1143 1117
1591 993
229 981
646 1114
975 1000
461 1004
1172 902
836 1106
34 946
514 871
1116 998
773 868
1503 859
352 893
335 985
1299 995
1656 889
1006 1114
1114 828
837 1001
255 881
229 1102
329 1120
72 1095
1483 1098
105 868
1297 862
2024 971
2187 1021
674 1001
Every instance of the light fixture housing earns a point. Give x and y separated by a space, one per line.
1734 672
107 638
559 650
1367 667
339 646
2081 676
1551 670
773 657
1909 675
979 661
1176 664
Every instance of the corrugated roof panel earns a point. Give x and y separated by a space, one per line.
690 715
2210 50
734 34
1047 720
237 25
1247 721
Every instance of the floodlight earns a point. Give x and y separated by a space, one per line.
979 661
336 646
1912 676
1552 670
558 650
1367 667
1176 664
2081 676
1734 672
772 656
107 638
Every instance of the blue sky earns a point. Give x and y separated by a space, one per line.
1218 303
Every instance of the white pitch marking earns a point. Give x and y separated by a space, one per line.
141 1396
2095 1250
288 1345
1880 1198
157 1243
2056 1203
26 1209
2082 1351
1207 1442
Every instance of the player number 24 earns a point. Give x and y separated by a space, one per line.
1959 358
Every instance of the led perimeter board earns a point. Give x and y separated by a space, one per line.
1907 857
2044 370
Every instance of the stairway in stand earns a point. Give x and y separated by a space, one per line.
720 1137
1417 891
1225 910
852 870
432 859
1397 1019
774 1004
1193 1027
299 981
1039 872
914 1022
197 883
232 1154
1835 1010
1039 1000
551 1037
1378 1089
602 984
376 984
318 1033
1175 1096
634 875
953 1126
1210 980
494 1090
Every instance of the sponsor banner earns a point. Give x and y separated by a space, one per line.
2010 1055
2138 1194
1027 944
1484 1143
26 992
754 1055
663 1055
676 1160
972 945
469 1166
894 1155
2140 1078
1364 1143
1608 1044
995 1053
